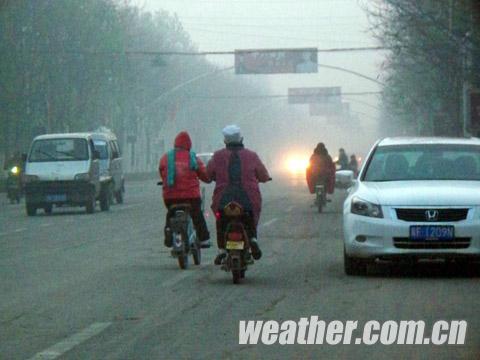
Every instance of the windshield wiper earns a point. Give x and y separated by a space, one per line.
65 153
50 156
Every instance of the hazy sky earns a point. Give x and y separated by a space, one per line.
225 25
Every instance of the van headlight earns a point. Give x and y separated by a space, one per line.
30 178
365 208
83 177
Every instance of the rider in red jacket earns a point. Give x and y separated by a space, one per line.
180 170
237 172
321 170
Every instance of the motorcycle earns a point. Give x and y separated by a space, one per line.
183 236
235 222
14 185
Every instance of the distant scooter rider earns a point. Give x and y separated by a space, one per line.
353 165
342 159
321 170
180 170
237 172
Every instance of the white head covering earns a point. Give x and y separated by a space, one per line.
232 134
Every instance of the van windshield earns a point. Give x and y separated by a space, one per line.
47 150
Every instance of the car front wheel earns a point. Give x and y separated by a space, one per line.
354 266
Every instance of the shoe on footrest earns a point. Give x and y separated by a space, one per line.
219 258
205 244
255 249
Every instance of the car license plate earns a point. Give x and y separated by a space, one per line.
235 245
432 233
56 197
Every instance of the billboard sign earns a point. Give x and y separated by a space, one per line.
276 61
315 95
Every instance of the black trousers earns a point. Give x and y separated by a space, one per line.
196 214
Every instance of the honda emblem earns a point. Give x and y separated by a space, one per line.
432 215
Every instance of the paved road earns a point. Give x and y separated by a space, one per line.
103 287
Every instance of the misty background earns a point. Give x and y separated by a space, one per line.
75 66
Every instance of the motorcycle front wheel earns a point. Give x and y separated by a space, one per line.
182 261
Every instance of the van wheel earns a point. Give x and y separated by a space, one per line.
105 197
48 209
90 205
31 209
119 196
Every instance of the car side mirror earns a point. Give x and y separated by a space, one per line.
344 179
24 157
96 155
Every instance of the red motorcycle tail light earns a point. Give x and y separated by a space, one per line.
218 215
235 236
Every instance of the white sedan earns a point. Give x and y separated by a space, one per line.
416 198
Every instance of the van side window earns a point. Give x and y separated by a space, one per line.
115 150
117 146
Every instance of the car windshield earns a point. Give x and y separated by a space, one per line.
59 150
102 147
424 162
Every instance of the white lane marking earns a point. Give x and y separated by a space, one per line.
174 279
69 343
126 207
270 222
46 224
20 230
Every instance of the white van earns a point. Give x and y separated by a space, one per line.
64 169
111 168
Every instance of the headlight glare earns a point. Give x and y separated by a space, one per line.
366 208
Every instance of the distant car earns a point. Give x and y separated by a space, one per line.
414 198
205 157
111 168
63 169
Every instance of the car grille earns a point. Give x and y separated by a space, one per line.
406 243
420 215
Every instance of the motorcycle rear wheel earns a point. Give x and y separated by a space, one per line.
197 255
236 276
236 271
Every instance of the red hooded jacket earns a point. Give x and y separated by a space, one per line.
187 185
321 167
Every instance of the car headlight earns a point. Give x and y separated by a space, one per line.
15 170
365 208
83 177
30 178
